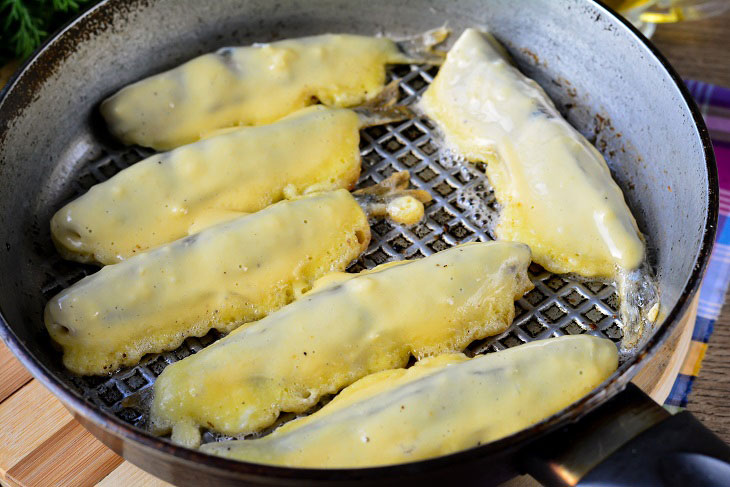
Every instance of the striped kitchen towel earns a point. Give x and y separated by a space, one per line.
714 102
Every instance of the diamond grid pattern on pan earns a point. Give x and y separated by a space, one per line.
558 305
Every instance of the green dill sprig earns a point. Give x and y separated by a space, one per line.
25 23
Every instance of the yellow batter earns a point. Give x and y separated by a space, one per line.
249 86
345 330
555 189
441 405
160 199
229 274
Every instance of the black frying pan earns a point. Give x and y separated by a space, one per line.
608 80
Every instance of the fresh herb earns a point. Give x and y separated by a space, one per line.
25 23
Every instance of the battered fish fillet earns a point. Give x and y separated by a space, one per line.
344 330
222 277
253 85
555 190
441 405
159 199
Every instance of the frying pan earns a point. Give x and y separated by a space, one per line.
604 76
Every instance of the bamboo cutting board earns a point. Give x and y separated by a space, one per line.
41 445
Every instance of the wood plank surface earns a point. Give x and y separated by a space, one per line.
42 445
710 398
12 375
698 49
27 419
128 475
71 457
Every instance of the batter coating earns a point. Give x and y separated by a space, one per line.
252 85
344 330
222 277
441 405
158 200
555 190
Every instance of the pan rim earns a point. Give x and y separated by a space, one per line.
115 426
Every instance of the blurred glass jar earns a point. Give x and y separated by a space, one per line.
645 14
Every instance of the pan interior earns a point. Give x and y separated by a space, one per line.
609 85
462 206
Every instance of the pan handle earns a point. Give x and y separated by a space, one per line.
630 441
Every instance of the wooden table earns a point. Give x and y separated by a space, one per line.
699 50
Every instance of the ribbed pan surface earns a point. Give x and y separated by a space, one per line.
462 207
